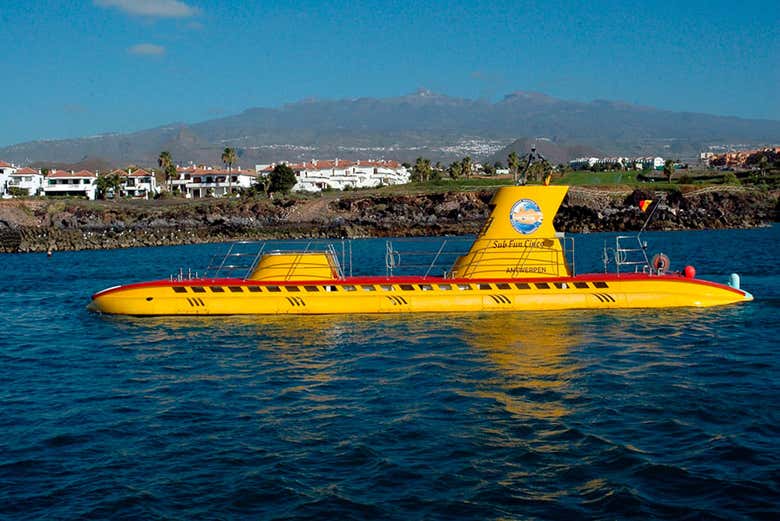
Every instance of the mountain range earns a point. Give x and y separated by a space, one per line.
423 123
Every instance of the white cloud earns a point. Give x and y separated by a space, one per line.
147 49
152 8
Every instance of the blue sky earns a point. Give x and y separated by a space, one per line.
84 67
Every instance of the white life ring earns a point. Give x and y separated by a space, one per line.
660 262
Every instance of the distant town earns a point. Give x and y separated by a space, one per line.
202 181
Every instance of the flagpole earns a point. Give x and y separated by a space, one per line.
652 212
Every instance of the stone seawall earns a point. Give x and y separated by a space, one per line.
34 225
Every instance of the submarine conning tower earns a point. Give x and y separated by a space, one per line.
518 240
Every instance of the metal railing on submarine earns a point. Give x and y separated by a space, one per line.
426 257
485 261
242 257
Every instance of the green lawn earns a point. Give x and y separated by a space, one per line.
445 185
587 178
474 182
577 178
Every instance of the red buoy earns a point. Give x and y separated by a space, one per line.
690 272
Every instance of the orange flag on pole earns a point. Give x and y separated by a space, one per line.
644 204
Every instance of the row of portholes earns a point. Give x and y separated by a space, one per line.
390 287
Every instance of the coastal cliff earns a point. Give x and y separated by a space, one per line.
39 225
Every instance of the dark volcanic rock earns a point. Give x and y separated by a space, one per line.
10 237
81 225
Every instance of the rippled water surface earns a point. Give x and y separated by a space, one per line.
670 414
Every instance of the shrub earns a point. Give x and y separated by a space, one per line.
18 192
281 179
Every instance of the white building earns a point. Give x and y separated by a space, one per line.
198 182
620 162
582 163
139 183
79 184
650 163
28 180
6 169
315 176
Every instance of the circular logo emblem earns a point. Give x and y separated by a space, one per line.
526 216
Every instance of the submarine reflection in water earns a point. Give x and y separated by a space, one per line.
531 355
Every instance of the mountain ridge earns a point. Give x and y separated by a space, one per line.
422 123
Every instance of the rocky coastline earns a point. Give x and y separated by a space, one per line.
41 225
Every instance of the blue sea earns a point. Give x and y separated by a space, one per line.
656 414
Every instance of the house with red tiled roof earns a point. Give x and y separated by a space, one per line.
76 184
315 175
741 158
196 182
26 181
139 183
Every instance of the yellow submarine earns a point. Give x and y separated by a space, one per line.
516 263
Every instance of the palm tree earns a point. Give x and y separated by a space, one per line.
229 157
455 169
422 170
514 165
467 165
165 162
669 170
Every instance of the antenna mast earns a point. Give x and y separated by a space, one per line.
533 157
